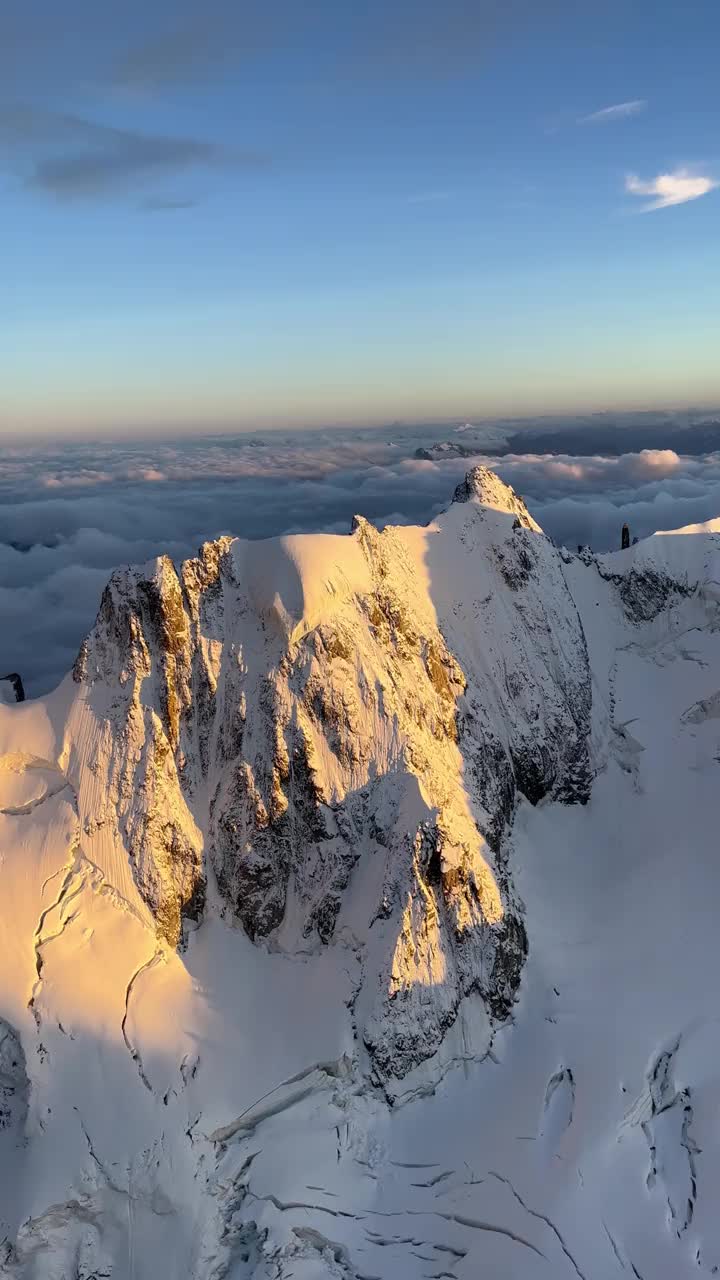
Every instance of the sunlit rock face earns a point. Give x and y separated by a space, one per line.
293 716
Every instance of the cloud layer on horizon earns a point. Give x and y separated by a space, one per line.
69 517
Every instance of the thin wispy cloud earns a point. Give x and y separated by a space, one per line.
618 111
670 188
182 47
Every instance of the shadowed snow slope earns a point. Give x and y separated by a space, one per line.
358 914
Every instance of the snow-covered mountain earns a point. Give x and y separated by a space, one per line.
357 914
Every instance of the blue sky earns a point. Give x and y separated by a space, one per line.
230 215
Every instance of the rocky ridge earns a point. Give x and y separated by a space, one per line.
276 714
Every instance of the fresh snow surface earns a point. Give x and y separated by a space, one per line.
707 526
208 1111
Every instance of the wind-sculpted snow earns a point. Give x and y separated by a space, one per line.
346 913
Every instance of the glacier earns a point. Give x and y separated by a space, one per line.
358 914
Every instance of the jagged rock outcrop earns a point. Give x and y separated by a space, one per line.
485 486
276 712
645 591
15 691
14 1083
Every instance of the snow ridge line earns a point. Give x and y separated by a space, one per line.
613 1244
22 810
71 869
461 1220
665 1097
542 1218
86 874
155 958
21 764
334 1070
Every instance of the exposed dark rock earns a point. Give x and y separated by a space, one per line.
16 685
644 591
14 1082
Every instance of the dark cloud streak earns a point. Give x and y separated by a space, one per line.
192 43
73 157
120 163
137 57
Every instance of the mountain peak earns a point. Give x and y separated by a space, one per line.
485 487
272 873
274 713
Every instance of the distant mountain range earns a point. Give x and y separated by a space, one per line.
609 439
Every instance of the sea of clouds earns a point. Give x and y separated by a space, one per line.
70 514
